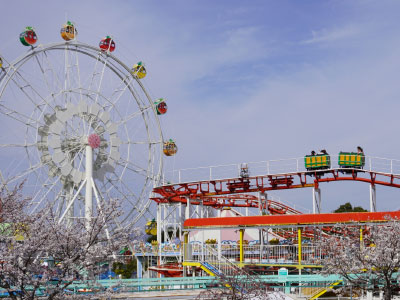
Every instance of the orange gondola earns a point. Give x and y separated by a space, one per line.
68 31
170 148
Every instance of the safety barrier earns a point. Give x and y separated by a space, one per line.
254 254
270 167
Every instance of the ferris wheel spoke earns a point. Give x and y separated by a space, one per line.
33 91
67 81
49 69
119 92
30 155
92 84
132 167
62 88
25 173
121 196
79 76
101 199
94 73
118 190
78 155
101 79
20 117
69 65
60 203
49 186
135 114
142 143
18 145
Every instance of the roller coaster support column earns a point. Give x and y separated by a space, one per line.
316 198
262 202
241 235
299 245
187 210
372 197
185 251
159 224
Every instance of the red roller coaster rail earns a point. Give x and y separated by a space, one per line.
219 193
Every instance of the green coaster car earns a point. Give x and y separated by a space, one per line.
351 160
317 162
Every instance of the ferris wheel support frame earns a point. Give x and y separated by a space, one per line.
89 186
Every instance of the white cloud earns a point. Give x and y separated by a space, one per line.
332 35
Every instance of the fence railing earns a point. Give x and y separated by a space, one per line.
270 167
264 254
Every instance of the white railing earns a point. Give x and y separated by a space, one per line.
264 254
270 167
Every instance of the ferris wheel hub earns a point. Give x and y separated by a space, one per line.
94 141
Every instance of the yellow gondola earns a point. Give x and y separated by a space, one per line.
170 148
139 70
151 227
68 31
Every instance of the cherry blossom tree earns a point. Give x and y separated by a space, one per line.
367 264
41 255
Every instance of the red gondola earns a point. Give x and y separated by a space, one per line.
107 44
161 106
28 37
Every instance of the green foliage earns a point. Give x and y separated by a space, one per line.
347 207
125 270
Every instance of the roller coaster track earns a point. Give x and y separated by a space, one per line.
233 191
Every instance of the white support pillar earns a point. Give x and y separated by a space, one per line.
187 210
180 222
316 200
159 225
89 187
372 198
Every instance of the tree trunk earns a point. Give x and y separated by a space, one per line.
387 293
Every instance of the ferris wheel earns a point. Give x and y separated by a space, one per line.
79 127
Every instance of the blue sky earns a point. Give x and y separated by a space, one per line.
252 80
